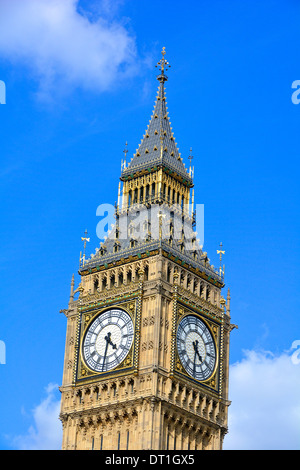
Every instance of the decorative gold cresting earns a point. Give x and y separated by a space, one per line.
163 66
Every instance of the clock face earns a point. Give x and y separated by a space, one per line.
196 347
108 340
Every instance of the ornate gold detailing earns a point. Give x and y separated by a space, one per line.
215 326
202 305
138 320
221 354
163 66
174 323
81 371
115 293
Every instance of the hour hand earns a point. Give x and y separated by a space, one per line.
195 344
109 341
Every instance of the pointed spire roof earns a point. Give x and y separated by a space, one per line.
158 146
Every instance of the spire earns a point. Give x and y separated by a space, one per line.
158 146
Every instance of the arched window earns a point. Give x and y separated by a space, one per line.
201 289
104 283
132 243
207 293
168 274
147 192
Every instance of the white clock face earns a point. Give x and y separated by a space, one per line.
108 340
196 347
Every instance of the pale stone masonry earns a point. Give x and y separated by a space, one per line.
162 395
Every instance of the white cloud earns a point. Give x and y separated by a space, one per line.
46 432
264 414
64 46
265 409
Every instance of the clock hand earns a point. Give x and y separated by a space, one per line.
105 354
194 367
195 344
108 341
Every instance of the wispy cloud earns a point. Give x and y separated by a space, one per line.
64 46
45 433
265 409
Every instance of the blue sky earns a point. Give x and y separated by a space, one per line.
81 81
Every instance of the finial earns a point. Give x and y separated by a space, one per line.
191 156
163 65
221 252
84 239
125 150
191 170
123 163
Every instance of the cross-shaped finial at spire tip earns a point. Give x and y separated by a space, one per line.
163 65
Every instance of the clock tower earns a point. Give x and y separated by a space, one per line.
147 343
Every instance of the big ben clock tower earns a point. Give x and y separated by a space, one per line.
147 343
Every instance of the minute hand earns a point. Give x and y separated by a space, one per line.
195 344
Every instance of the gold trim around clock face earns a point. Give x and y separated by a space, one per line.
214 332
84 371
